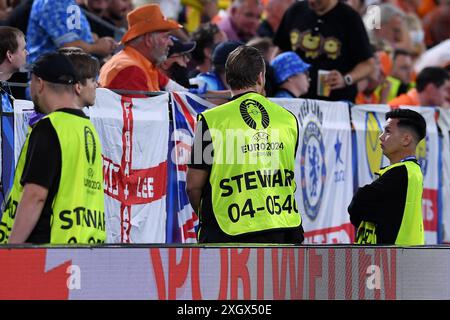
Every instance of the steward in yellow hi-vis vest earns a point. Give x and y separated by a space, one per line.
389 210
248 187
74 213
57 195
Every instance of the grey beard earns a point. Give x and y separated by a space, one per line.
161 59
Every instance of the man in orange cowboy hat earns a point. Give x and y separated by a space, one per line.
146 45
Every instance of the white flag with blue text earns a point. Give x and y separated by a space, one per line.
323 169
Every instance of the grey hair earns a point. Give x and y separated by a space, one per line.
388 11
140 38
135 41
238 3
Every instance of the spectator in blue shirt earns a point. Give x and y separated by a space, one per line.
215 79
12 57
55 24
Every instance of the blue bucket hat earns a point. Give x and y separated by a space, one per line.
288 64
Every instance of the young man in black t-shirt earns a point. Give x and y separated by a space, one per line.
330 36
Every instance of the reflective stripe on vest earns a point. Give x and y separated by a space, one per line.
411 230
252 176
393 90
395 85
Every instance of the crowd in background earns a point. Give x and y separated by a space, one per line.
365 52
398 51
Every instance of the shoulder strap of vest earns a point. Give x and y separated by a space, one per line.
386 169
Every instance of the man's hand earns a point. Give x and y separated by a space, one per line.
335 80
104 46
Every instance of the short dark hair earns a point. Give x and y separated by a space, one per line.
204 36
410 120
67 50
243 66
86 66
8 40
221 53
434 75
401 52
55 67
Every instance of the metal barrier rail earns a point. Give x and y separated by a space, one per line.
135 92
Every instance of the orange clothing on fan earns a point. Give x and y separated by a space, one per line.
385 61
411 98
363 99
425 7
130 70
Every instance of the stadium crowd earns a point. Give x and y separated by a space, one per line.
367 52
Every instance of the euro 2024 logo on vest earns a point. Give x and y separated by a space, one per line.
257 118
90 148
374 154
254 114
312 161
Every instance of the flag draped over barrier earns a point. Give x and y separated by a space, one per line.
13 134
185 107
23 109
428 155
444 124
368 122
134 134
7 156
145 158
323 170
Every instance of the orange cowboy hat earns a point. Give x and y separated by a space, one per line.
147 18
